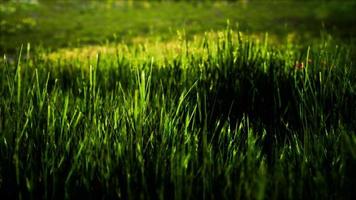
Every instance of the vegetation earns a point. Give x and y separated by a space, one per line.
214 115
69 23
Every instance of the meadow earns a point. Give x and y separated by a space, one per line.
218 111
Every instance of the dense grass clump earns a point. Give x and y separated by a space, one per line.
220 117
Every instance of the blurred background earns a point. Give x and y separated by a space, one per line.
58 23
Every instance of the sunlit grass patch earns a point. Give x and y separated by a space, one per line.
141 48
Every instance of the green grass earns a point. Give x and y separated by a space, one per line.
61 24
218 117
159 100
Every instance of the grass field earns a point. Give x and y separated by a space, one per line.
69 23
194 111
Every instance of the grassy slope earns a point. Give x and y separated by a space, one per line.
62 24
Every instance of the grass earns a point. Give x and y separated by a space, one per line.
62 24
219 117
95 105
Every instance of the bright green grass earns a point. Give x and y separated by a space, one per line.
219 117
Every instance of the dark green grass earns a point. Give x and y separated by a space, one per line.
239 121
